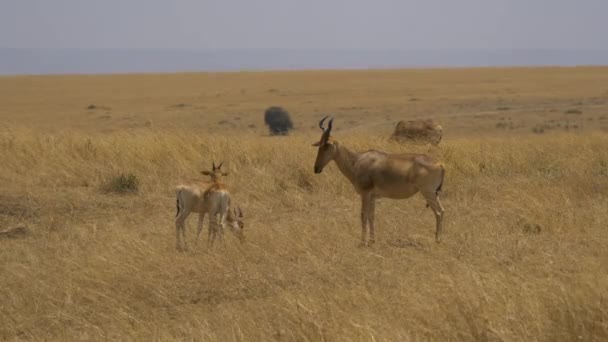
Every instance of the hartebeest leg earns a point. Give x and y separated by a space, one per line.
370 217
433 201
365 210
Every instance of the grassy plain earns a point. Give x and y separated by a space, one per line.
524 254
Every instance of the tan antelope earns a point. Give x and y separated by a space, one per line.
376 174
418 130
204 197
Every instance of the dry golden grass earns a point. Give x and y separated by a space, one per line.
523 255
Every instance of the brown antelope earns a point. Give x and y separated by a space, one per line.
376 174
207 197
418 130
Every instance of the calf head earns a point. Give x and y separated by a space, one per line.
216 173
237 223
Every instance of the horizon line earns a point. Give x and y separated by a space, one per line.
283 70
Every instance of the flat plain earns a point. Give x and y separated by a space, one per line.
524 254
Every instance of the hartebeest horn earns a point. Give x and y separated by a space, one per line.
213 164
321 123
240 212
219 166
327 131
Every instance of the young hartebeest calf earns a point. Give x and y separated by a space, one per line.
376 174
216 174
207 197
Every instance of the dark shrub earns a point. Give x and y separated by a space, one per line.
278 120
122 184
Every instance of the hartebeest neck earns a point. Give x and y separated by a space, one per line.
346 159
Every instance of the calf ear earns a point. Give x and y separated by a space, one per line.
318 143
206 173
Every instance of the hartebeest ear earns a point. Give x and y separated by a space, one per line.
206 173
329 141
225 173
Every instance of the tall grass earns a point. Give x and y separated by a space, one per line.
523 258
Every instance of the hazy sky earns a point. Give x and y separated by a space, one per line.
305 24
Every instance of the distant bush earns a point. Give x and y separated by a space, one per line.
538 129
93 106
278 120
123 184
574 111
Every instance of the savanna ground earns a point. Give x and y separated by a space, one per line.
524 254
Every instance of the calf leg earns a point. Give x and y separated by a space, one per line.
180 228
212 231
199 228
222 224
177 236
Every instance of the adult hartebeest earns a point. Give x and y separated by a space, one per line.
207 197
376 174
418 130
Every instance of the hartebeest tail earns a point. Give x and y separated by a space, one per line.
177 203
438 191
442 178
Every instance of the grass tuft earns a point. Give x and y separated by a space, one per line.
122 184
